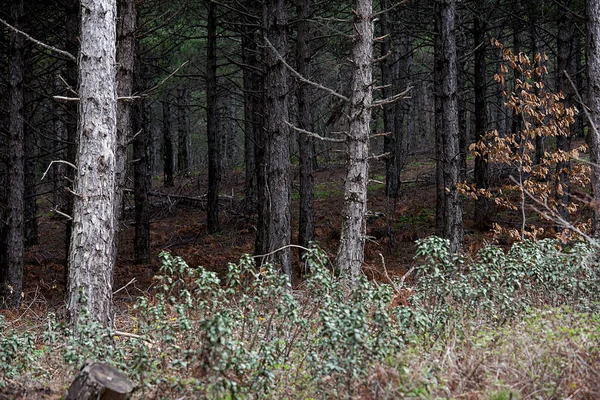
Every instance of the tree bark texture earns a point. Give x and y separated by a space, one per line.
167 142
126 27
277 188
481 176
392 172
12 271
350 255
593 67
140 115
183 129
91 262
447 121
564 63
30 162
214 167
305 142
252 77
72 45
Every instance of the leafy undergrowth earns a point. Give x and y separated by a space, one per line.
521 323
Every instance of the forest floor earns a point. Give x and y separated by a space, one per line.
178 225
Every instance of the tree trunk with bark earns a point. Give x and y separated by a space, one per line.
253 95
305 142
593 67
276 190
167 142
482 208
563 67
183 129
11 278
31 147
350 254
214 167
126 51
72 45
91 263
392 173
447 132
141 171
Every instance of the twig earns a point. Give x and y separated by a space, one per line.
128 283
308 133
377 157
393 99
64 98
46 46
585 108
146 92
402 279
54 210
552 215
295 246
300 77
68 86
133 138
58 162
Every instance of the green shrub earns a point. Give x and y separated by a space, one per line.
499 285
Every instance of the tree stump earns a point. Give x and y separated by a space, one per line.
100 381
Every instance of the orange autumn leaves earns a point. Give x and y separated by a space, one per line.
535 182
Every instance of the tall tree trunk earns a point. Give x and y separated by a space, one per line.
276 190
306 143
593 66
447 121
183 128
392 172
141 179
71 20
30 162
126 51
167 142
252 110
214 167
563 67
141 165
11 278
351 251
482 208
91 263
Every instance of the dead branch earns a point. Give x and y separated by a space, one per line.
300 77
393 99
312 134
42 44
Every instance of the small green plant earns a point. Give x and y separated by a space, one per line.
499 285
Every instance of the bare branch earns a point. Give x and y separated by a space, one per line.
57 162
393 99
146 92
44 45
54 210
312 134
128 283
551 215
585 108
377 157
68 86
64 98
300 77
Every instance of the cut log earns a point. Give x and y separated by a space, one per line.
100 381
